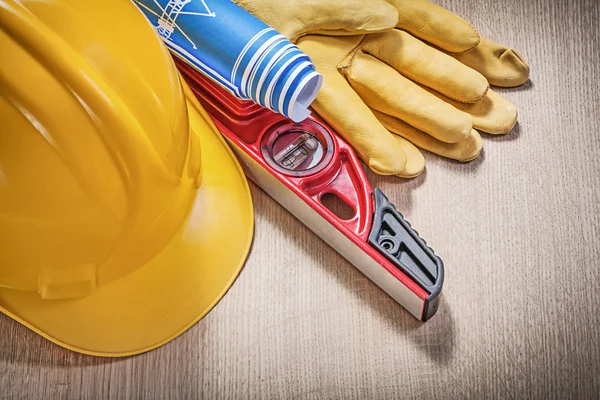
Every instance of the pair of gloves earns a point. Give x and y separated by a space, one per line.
400 75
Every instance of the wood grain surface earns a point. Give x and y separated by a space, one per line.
518 229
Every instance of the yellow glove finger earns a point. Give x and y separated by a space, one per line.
465 150
426 65
295 19
415 162
493 114
385 90
502 66
359 127
435 25
344 110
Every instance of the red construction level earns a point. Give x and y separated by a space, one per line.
298 164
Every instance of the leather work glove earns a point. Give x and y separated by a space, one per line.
393 82
502 66
296 18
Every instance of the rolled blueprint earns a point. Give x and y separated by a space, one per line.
238 51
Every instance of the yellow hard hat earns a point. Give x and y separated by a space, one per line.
124 216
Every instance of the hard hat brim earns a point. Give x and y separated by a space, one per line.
157 302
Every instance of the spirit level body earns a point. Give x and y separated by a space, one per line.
376 240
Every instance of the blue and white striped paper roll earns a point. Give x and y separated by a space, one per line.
238 51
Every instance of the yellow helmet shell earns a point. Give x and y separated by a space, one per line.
124 217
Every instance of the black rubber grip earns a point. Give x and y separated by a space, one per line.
396 239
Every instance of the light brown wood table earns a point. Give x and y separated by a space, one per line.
518 229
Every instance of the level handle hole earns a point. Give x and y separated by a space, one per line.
338 206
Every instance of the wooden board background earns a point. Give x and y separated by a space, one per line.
519 230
